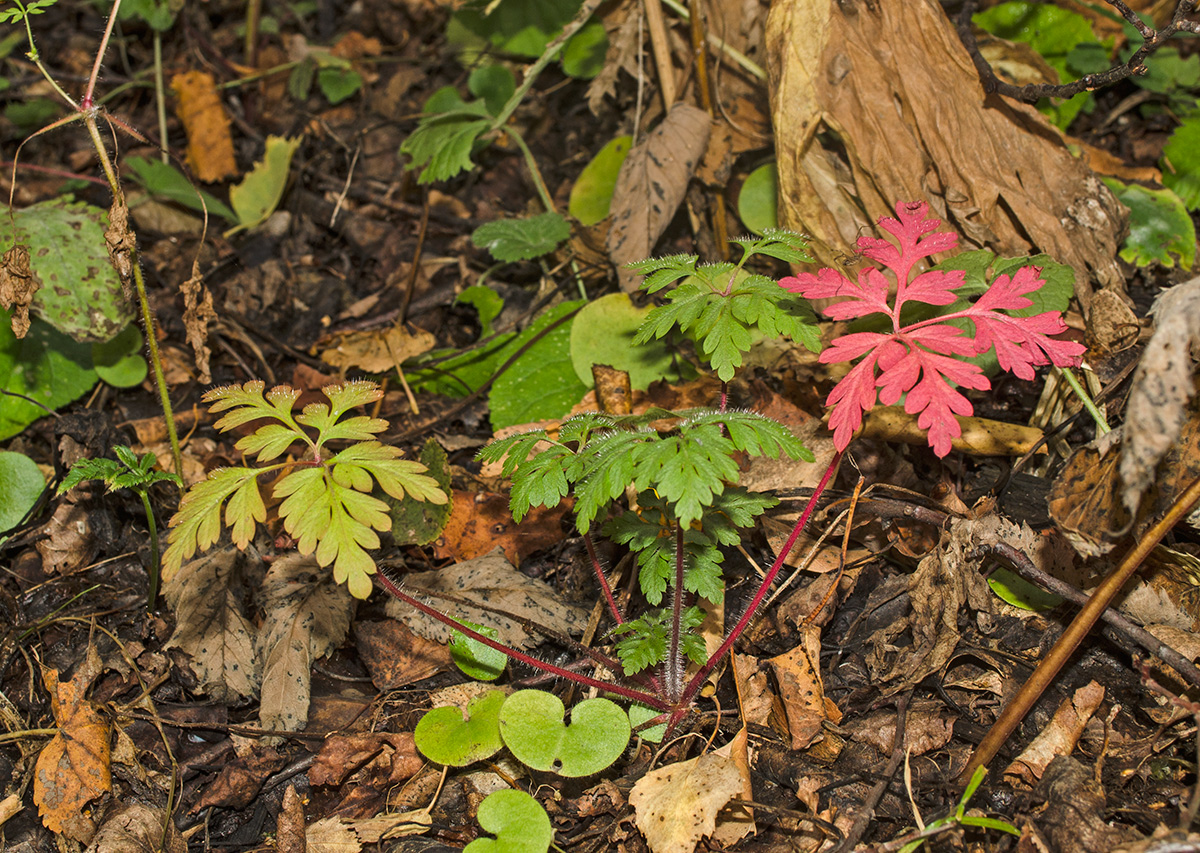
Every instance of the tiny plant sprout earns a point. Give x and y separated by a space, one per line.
444 736
518 821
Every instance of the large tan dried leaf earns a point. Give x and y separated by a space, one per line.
677 805
307 617
74 768
138 828
210 625
1162 386
652 182
490 580
210 145
289 825
1060 736
377 350
621 26
890 89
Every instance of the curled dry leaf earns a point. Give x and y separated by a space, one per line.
289 825
677 805
307 617
798 673
1059 737
652 182
895 70
1162 386
198 311
138 828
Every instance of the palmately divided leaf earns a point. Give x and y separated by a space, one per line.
269 441
197 524
539 481
245 403
348 395
514 450
687 472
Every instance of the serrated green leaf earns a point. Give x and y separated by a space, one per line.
443 144
495 84
512 240
1160 230
197 523
397 477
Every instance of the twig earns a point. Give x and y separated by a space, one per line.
863 818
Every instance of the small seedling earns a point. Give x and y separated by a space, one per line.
959 817
518 821
127 471
326 502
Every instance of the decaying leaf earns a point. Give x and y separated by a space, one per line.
210 625
395 656
1059 737
138 828
210 144
74 768
798 674
652 182
490 580
1161 388
928 726
845 77
677 805
17 286
481 522
198 311
341 756
332 835
289 825
1084 499
375 350
307 617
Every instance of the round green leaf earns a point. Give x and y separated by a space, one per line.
476 660
583 55
445 737
758 202
21 483
518 821
119 362
593 190
602 333
531 723
46 366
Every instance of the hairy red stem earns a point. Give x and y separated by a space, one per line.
604 585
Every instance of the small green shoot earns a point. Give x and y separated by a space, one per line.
531 724
127 471
518 821
327 506
959 817
445 737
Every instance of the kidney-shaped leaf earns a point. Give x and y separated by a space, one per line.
518 821
531 723
443 736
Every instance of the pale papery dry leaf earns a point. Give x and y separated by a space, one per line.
1161 388
138 828
894 85
332 835
928 726
677 805
289 824
621 26
1059 737
210 625
652 183
198 311
307 616
490 580
736 822
377 350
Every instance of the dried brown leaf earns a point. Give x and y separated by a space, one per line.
198 311
677 805
928 726
17 287
74 768
307 617
652 183
289 825
798 674
138 828
1059 737
490 580
210 625
1161 389
878 103
210 144
377 351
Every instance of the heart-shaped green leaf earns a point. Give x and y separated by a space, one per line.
531 723
518 821
444 737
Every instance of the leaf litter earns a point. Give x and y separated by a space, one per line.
245 648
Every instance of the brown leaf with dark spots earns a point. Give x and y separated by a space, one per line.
928 726
1084 501
17 287
481 522
395 656
74 768
652 183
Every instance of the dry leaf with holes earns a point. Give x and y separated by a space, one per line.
1162 386
677 805
210 625
652 182
307 617
878 102
210 144
377 351
74 768
489 580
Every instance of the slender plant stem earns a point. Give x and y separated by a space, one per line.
88 101
605 586
535 173
764 587
154 560
160 99
674 671
1057 657
1085 398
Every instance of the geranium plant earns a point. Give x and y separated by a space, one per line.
684 473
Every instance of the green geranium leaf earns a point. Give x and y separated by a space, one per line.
1160 230
521 239
447 736
531 724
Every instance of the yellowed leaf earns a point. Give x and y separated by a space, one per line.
74 768
677 805
210 144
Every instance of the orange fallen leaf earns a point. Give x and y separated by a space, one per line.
210 144
75 767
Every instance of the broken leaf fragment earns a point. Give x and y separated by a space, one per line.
257 196
677 805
